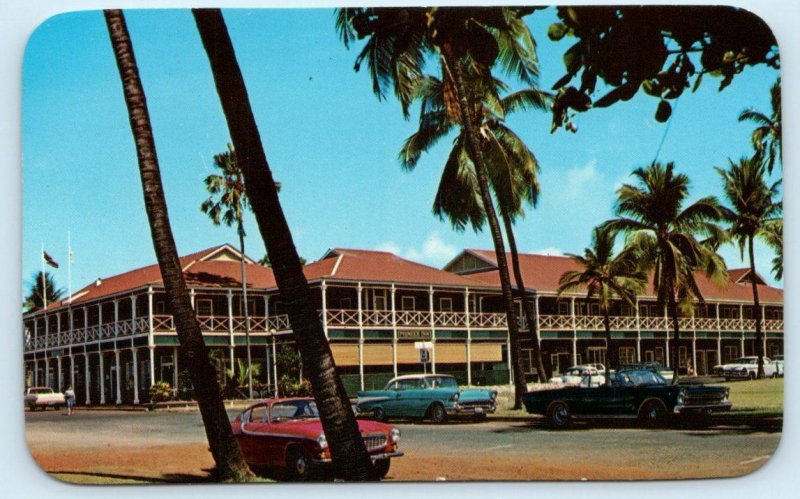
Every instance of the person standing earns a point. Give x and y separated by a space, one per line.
69 396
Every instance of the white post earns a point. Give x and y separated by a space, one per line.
574 331
394 331
117 375
763 330
116 319
150 336
135 376
175 371
540 377
324 290
742 329
71 370
60 380
360 336
100 352
230 330
46 355
35 360
86 354
694 343
433 330
275 364
638 334
191 297
469 336
719 338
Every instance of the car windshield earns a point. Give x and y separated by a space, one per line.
293 409
573 372
748 360
644 377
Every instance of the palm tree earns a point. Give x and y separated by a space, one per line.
767 135
772 234
753 207
467 43
348 450
226 202
665 236
230 464
512 168
40 288
606 276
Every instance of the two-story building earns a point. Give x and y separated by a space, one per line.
112 339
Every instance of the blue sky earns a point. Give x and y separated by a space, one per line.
330 142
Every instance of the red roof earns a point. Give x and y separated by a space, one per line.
541 273
382 266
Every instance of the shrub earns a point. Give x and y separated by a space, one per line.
161 391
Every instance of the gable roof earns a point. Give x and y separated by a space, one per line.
541 274
742 276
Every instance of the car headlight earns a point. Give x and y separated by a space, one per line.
727 394
681 396
455 396
322 441
493 396
395 435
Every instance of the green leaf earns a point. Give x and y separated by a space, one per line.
556 31
663 112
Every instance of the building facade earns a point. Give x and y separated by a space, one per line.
112 339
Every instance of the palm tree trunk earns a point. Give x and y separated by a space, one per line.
224 448
348 451
530 318
757 305
520 385
611 358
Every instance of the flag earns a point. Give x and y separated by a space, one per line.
49 260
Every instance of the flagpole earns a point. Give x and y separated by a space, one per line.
69 267
44 281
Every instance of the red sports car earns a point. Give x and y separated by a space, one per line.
287 433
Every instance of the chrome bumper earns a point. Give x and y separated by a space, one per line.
722 406
374 457
469 410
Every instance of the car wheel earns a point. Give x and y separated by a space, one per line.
558 414
437 413
299 464
752 376
652 414
378 414
382 467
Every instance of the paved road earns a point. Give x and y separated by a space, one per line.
489 450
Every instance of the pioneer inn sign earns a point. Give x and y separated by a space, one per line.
115 337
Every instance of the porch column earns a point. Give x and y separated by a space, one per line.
191 297
469 336
741 328
763 330
574 331
175 371
150 337
394 330
100 352
638 334
135 376
71 370
274 364
324 289
46 354
667 360
133 351
359 289
719 337
540 377
35 359
86 354
117 375
60 388
116 319
230 330
694 343
433 330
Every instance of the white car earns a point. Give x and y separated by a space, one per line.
778 362
43 397
746 368
573 376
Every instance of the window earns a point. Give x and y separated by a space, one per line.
258 414
446 304
596 355
346 304
660 355
627 355
379 299
648 356
251 306
729 354
160 308
204 308
408 303
682 356
563 308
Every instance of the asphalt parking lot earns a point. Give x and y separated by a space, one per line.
170 446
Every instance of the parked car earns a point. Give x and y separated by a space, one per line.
42 397
287 433
433 396
574 375
745 368
633 393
